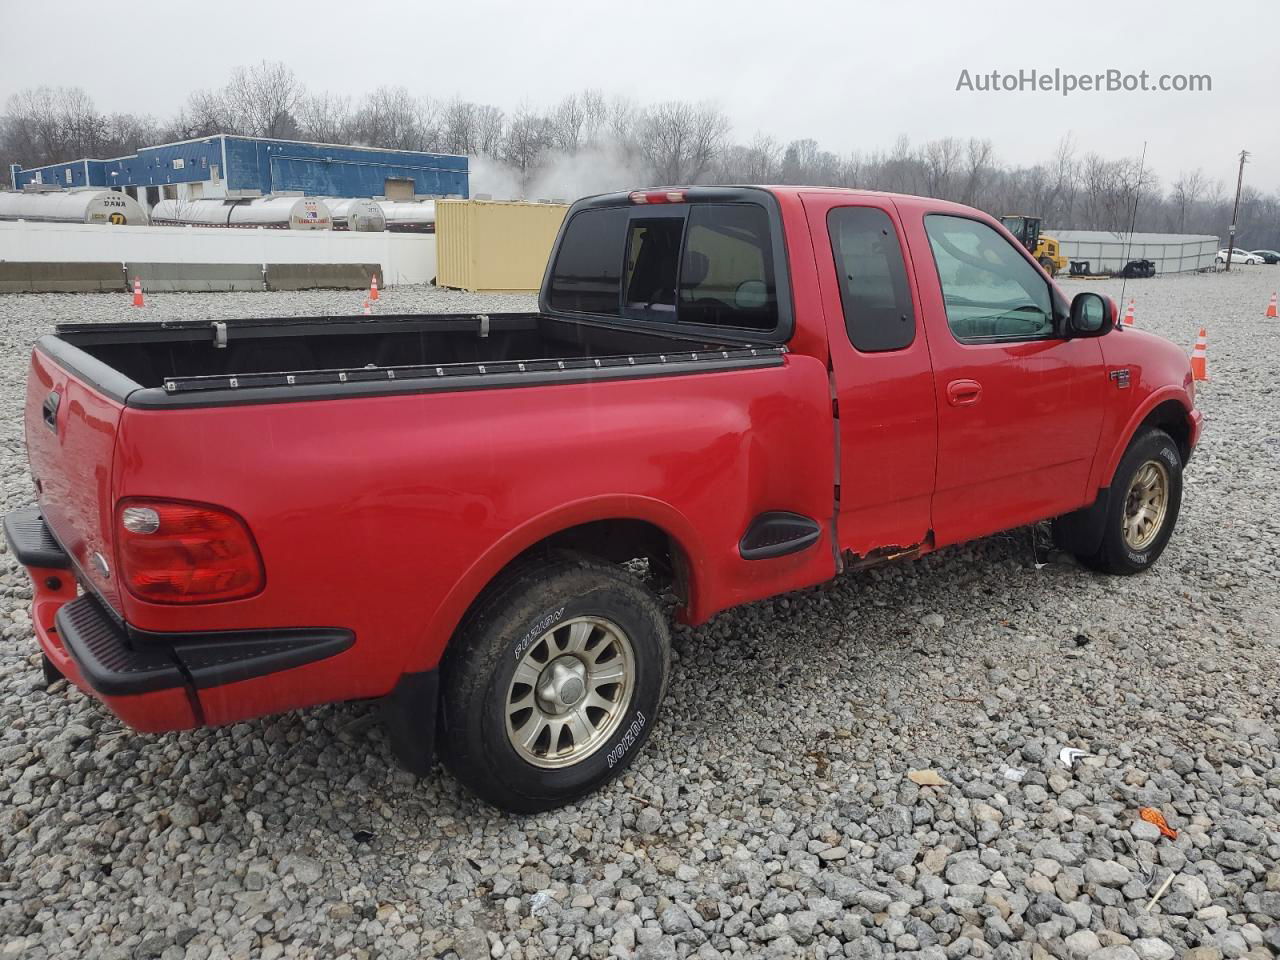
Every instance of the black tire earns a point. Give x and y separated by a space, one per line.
1049 266
481 662
1115 555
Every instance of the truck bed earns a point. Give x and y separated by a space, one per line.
195 363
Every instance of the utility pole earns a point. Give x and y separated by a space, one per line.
1235 213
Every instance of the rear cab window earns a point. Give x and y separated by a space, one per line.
588 271
696 264
878 313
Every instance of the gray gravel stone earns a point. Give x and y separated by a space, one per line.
648 821
967 871
1152 948
1082 944
1106 873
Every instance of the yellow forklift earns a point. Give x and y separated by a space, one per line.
1042 246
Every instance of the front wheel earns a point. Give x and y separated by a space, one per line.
1050 267
554 682
1146 495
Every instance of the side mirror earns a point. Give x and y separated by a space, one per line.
1092 315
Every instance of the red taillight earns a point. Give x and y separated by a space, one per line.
174 552
657 196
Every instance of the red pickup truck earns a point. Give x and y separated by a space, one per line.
728 392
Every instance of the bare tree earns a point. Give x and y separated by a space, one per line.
126 132
528 138
899 172
1066 182
978 163
489 130
622 121
390 117
595 116
803 161
680 140
207 113
459 127
941 160
1187 190
566 123
325 118
262 99
762 159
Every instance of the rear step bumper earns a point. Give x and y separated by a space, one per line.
31 542
152 681
118 661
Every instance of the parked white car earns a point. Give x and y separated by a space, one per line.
1237 256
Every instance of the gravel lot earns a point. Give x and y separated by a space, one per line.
771 813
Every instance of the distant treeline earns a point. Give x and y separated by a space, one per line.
588 143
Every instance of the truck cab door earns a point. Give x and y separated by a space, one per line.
882 385
1019 404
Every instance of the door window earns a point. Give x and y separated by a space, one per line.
992 294
878 313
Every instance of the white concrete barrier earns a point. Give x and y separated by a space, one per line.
405 257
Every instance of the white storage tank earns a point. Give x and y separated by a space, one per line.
356 213
279 213
409 216
91 205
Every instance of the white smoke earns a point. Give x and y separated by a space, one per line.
559 175
495 179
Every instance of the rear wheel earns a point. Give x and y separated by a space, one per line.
1146 495
553 683
1050 267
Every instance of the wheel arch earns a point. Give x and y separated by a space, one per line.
1168 410
615 529
1081 531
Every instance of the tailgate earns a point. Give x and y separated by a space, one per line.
71 435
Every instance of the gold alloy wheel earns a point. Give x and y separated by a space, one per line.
1146 504
570 691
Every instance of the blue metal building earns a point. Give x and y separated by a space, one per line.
232 166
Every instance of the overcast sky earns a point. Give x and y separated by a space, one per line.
850 73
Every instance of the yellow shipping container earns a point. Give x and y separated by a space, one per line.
488 245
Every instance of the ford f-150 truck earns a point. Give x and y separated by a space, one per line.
748 390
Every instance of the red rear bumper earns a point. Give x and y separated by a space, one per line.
161 681
151 712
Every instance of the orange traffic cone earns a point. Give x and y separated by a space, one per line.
1199 358
368 309
137 293
1271 307
1128 314
373 287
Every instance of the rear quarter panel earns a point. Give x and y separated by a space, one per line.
388 515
